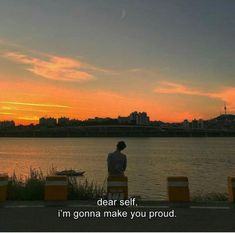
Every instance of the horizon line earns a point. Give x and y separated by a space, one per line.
171 122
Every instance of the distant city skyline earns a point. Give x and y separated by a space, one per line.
137 117
82 59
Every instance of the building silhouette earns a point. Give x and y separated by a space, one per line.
135 118
7 124
64 121
197 124
47 122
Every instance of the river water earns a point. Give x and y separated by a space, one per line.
206 161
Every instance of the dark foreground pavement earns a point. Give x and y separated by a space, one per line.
38 217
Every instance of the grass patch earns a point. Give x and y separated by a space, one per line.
30 188
33 186
209 197
84 190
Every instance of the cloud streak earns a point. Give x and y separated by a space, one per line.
55 67
175 88
226 94
35 104
6 113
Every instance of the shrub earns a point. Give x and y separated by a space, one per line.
32 187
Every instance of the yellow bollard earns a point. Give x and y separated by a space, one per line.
3 187
117 187
178 189
231 189
56 188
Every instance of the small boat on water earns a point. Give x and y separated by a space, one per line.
69 173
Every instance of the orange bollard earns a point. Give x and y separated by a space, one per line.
3 187
56 188
178 189
117 188
231 189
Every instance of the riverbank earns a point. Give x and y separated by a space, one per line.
112 131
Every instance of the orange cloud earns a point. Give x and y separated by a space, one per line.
175 88
24 109
6 113
54 67
35 104
6 108
226 95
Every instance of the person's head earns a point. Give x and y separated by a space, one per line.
121 145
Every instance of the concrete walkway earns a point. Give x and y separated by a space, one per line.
43 216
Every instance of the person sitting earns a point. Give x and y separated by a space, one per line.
117 161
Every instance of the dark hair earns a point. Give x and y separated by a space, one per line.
121 145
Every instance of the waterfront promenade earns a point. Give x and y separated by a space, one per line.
43 216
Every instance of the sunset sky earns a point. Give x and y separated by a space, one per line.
174 59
